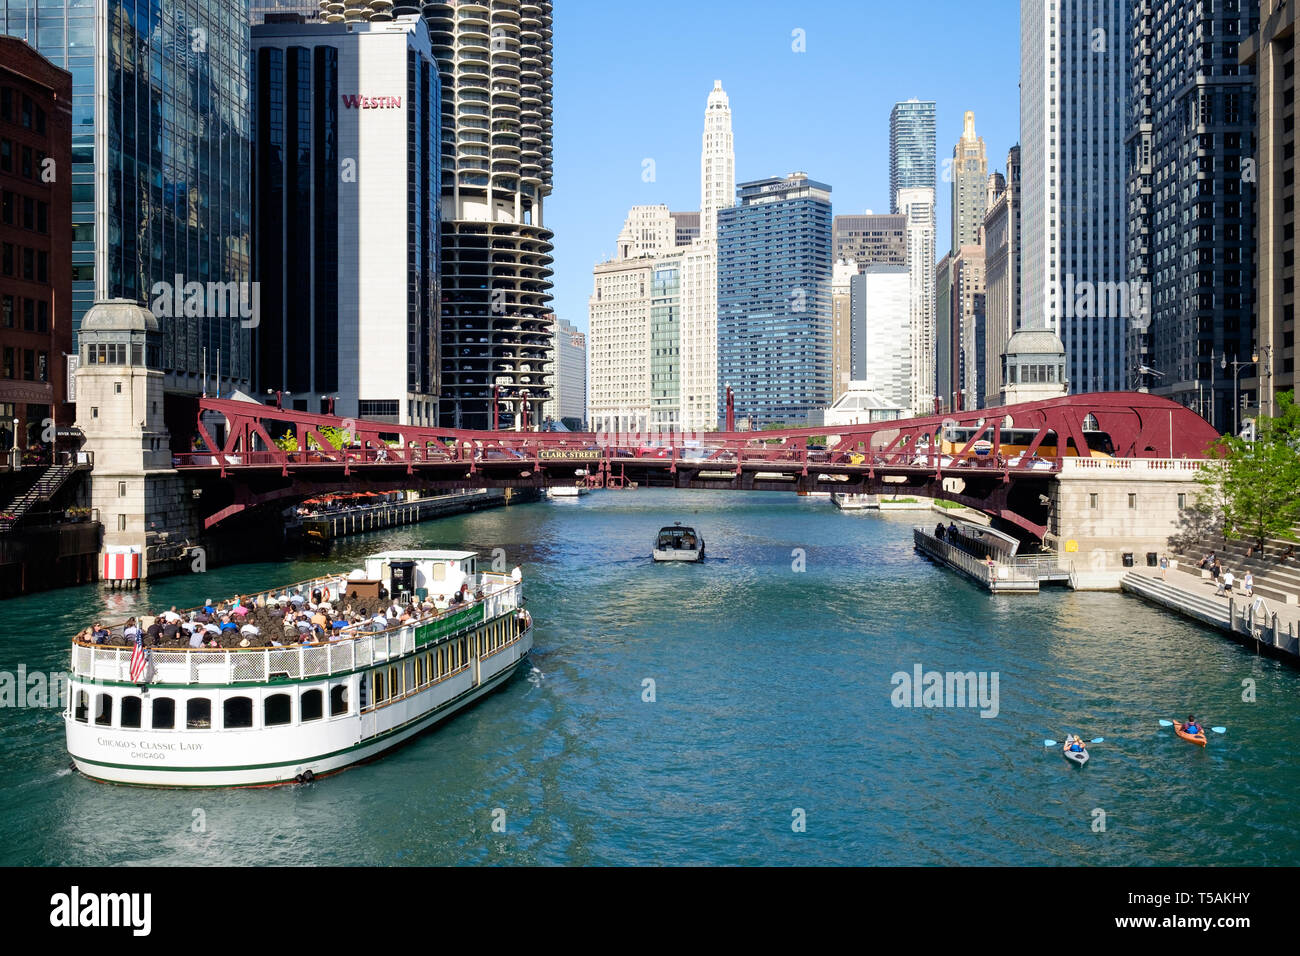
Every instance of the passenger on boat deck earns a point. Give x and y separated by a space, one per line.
250 630
209 607
319 620
172 615
227 625
100 633
196 639
131 631
297 600
240 610
153 634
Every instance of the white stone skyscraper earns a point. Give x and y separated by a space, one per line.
918 205
717 162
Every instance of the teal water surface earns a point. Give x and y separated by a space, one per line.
771 737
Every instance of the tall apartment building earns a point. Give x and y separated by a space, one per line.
1271 54
1074 91
912 146
152 213
774 300
36 242
868 239
1191 236
882 319
1001 277
918 206
970 185
496 61
351 294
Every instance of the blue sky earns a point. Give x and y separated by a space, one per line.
631 80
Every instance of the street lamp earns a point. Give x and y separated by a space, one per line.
1237 366
14 457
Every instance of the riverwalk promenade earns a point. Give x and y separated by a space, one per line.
1271 627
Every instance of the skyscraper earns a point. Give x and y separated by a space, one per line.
911 148
1271 54
774 300
150 208
917 204
969 173
717 162
842 325
350 296
1001 277
497 324
1191 205
1074 90
570 377
654 307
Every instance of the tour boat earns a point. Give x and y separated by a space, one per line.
565 491
846 502
676 543
262 716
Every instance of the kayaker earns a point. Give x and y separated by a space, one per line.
1076 744
1191 727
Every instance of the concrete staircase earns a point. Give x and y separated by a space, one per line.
1209 609
44 488
1276 579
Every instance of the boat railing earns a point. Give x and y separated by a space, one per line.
296 662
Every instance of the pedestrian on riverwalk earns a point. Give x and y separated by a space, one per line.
1164 567
1248 584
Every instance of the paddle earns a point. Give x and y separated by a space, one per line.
1052 743
1217 730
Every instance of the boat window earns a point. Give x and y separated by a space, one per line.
312 706
408 672
394 682
276 711
198 713
339 699
237 713
381 685
82 711
464 652
131 711
419 670
104 710
164 713
442 661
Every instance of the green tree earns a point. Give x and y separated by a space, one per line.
1255 486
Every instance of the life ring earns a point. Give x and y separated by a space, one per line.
325 595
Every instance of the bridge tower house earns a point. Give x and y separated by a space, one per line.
120 411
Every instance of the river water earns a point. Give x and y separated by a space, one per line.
739 711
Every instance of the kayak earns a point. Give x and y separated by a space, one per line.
1190 738
1079 758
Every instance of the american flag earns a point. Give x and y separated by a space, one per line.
139 659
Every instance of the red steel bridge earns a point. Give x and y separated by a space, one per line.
240 465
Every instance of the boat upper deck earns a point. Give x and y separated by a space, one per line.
298 655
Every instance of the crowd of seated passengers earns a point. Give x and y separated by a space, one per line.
287 620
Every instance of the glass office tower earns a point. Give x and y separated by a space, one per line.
160 176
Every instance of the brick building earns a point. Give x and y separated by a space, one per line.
35 243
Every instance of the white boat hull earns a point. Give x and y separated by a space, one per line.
676 555
267 756
855 502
